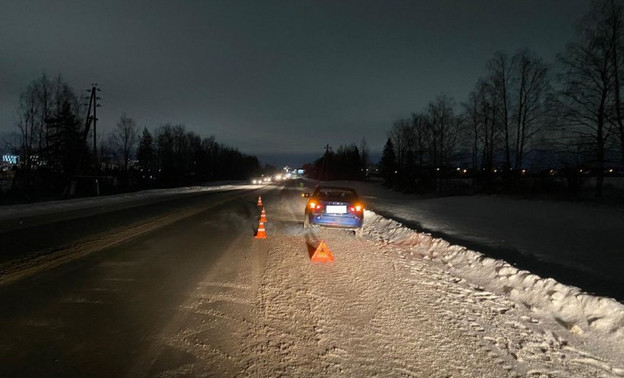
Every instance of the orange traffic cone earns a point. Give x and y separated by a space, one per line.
263 217
322 254
261 234
259 201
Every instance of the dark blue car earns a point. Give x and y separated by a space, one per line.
332 206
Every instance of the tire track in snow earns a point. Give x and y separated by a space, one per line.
388 306
533 349
358 327
203 338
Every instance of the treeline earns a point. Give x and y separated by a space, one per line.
348 162
572 107
54 143
174 156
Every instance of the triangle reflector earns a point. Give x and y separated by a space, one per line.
322 254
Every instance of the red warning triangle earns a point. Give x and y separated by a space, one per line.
322 254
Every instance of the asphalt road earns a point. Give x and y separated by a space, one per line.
100 312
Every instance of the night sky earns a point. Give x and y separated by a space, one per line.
273 78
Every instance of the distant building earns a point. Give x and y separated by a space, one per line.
10 159
7 165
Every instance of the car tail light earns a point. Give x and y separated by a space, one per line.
357 208
314 206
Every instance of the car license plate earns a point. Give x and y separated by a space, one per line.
332 209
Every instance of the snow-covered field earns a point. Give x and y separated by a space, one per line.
577 238
395 302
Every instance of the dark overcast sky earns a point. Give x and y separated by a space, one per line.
270 77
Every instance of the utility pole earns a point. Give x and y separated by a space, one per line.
93 105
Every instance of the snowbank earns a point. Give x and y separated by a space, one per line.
573 309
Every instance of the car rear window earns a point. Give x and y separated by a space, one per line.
342 194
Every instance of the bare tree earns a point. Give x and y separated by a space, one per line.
364 155
532 86
480 113
421 130
42 101
589 83
402 138
506 109
124 140
28 109
44 89
489 110
445 127
501 68
474 119
613 15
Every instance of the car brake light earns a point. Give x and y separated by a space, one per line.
314 205
356 209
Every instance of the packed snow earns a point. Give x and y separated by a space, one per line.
395 302
572 308
564 310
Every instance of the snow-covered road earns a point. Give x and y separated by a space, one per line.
395 302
